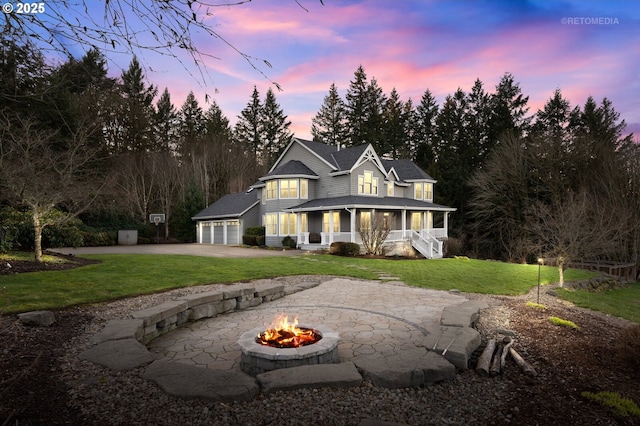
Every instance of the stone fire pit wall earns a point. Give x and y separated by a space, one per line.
257 358
161 319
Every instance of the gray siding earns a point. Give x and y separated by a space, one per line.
370 167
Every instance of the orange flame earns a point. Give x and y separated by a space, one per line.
284 334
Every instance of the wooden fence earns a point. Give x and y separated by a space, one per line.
626 271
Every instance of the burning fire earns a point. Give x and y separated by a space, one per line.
283 334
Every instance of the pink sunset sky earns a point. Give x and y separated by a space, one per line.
581 47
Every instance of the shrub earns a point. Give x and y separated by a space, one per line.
315 238
260 240
255 230
62 236
99 238
453 247
564 323
536 305
250 240
289 242
341 248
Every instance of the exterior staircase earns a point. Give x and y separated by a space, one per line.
427 245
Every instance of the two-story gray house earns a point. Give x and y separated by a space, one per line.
314 188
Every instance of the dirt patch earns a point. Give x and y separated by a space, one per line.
10 267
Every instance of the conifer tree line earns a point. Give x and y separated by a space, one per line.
129 151
562 182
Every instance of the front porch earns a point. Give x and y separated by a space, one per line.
411 229
428 242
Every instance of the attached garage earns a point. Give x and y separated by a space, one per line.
224 221
206 233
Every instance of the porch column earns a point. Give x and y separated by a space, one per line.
446 223
224 232
199 229
353 225
404 223
330 226
211 232
298 228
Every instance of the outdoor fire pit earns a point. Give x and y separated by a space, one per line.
285 345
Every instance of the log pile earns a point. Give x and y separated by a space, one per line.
493 357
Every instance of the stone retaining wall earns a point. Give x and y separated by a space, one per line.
147 324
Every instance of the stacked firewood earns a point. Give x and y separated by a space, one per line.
494 356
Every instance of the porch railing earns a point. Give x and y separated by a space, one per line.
432 234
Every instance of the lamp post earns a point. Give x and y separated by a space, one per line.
540 261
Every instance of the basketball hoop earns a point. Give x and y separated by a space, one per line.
157 219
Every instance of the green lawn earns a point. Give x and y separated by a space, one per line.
624 302
120 276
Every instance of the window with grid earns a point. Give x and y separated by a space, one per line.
271 224
289 188
367 184
326 224
272 190
288 224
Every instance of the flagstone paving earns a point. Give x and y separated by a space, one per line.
372 319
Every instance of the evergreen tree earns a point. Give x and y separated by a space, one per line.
216 123
192 124
193 202
357 108
275 128
329 124
166 123
248 129
424 132
454 156
551 142
137 110
477 119
508 111
374 117
395 142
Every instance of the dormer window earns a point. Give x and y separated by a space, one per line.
423 191
367 184
389 189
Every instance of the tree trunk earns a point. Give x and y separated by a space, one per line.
560 261
37 231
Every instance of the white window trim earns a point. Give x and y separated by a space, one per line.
374 183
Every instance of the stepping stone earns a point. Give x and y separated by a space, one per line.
119 329
125 354
341 375
463 315
189 382
456 344
409 368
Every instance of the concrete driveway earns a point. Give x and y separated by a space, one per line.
210 250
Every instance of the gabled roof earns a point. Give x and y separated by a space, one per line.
231 205
291 168
406 170
343 160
